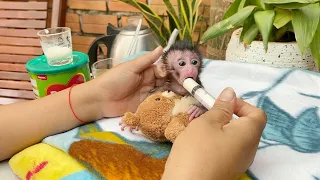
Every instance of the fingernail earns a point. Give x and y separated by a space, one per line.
227 95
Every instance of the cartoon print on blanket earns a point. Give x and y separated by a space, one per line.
300 133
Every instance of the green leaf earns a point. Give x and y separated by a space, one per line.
261 5
272 34
228 24
290 1
264 21
155 22
195 5
195 14
180 13
246 26
200 32
164 31
157 31
188 35
195 20
173 17
291 5
315 46
242 4
184 32
190 13
305 23
146 11
283 16
172 12
232 9
185 12
173 25
280 32
250 35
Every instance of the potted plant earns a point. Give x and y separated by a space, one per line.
280 33
185 19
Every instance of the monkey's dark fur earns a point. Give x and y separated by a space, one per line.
185 45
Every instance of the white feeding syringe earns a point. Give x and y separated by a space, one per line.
200 94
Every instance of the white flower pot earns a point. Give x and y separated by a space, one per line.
279 54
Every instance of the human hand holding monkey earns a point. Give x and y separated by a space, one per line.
126 85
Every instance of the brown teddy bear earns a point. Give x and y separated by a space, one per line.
161 116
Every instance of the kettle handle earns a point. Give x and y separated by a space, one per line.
106 40
112 30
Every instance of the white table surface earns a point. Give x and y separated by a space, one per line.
6 173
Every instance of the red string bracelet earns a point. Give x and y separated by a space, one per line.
72 108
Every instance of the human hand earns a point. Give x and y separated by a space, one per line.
212 148
126 85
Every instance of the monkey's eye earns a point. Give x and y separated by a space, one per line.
194 61
182 63
157 99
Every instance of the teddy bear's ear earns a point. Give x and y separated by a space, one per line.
130 119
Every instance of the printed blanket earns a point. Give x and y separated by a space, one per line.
289 147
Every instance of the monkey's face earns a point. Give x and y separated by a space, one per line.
184 64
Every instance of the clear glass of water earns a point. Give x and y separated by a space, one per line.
101 67
56 44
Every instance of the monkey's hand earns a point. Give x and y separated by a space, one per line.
195 111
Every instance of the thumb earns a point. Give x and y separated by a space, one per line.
143 62
222 110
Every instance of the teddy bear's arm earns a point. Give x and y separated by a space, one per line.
131 119
175 127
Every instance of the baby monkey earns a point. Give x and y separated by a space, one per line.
183 60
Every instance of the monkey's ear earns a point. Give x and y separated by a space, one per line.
160 70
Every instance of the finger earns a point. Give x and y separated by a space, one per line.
194 114
142 62
198 114
222 111
191 109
